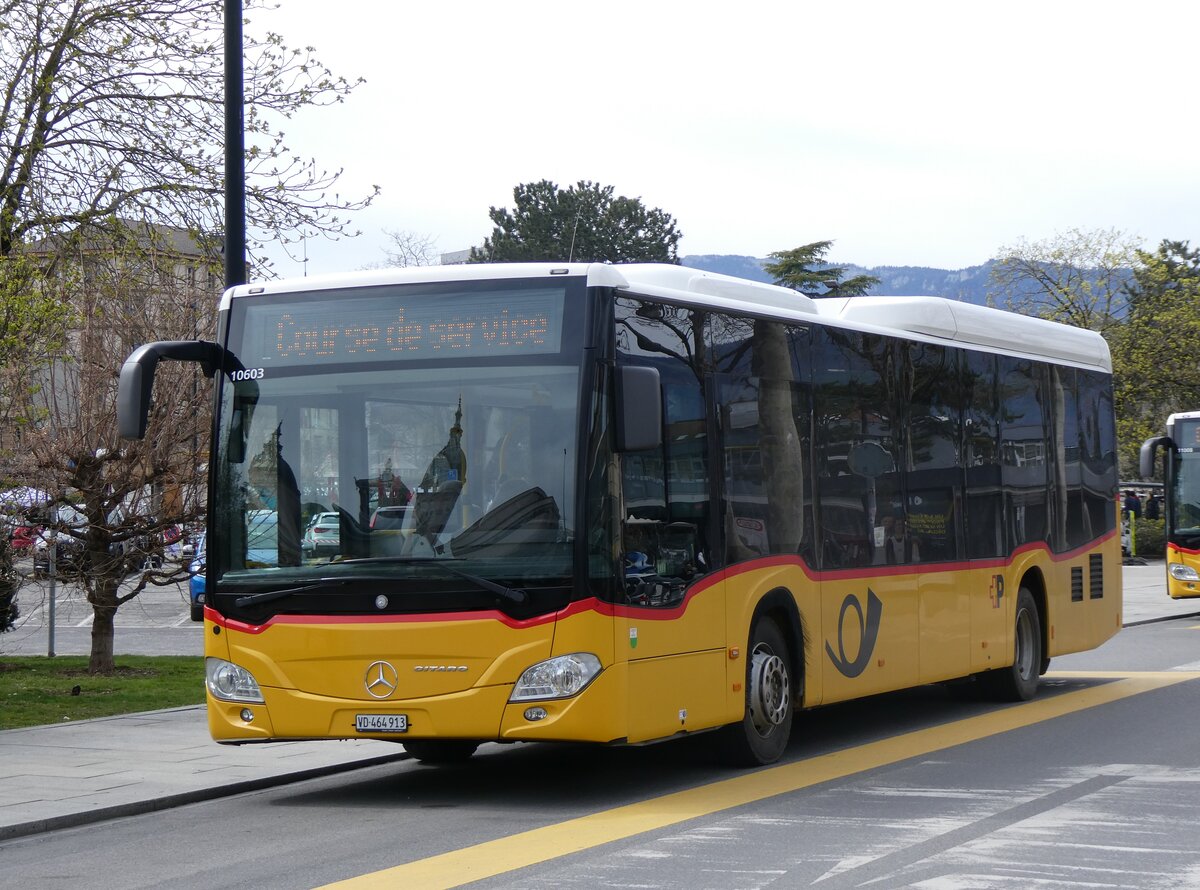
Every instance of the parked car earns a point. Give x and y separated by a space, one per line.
64 532
196 584
191 536
23 536
172 542
389 517
323 536
146 551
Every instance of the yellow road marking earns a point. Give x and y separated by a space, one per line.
496 857
1117 675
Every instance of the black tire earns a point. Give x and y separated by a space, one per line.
440 750
1019 681
763 732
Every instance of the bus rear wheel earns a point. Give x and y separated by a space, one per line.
440 750
762 735
1019 681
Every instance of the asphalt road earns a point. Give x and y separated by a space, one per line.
1093 784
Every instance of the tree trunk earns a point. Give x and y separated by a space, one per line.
103 597
102 642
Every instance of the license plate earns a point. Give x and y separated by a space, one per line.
381 722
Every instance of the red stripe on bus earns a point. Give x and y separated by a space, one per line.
488 615
651 613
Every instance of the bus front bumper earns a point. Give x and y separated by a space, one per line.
1183 576
484 713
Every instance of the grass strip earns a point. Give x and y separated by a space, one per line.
37 690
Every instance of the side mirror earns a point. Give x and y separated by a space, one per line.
137 378
639 409
1149 452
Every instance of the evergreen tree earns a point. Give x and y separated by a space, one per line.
584 224
804 269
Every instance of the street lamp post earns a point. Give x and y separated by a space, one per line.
235 149
52 552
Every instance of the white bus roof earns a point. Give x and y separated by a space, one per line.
925 317
922 317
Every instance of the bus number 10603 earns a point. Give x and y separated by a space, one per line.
247 374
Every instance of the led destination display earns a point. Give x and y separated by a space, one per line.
390 327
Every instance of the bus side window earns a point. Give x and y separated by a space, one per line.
934 480
765 439
1072 522
1025 470
666 490
981 432
856 451
1099 451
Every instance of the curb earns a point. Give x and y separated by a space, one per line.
88 720
141 807
1189 615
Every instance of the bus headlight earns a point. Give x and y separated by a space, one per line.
1180 572
559 677
229 682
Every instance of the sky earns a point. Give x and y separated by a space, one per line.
918 133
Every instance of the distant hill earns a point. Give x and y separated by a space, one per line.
968 285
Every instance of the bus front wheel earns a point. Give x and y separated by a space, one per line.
440 750
1019 681
762 735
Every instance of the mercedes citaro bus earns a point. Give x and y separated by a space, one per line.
636 503
1181 499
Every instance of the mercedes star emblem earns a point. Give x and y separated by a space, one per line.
381 679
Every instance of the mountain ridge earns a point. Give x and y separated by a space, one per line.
970 285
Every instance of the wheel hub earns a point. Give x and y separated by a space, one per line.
770 690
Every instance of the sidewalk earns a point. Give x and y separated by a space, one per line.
1145 592
72 774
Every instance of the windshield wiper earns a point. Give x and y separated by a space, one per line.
255 598
512 594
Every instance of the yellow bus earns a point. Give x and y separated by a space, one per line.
623 504
1181 499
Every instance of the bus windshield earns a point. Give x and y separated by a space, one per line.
1186 496
375 437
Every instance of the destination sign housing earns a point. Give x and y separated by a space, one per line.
401 324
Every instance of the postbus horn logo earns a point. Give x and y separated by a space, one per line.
868 633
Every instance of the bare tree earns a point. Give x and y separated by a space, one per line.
111 114
1078 277
114 108
113 500
409 249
